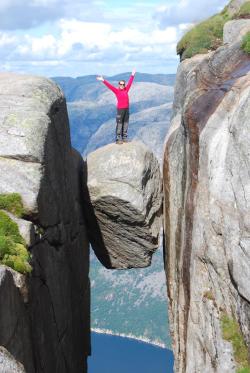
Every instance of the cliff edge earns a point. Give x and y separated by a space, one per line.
206 210
44 315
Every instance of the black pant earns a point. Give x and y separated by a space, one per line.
122 119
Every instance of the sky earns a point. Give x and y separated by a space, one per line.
106 37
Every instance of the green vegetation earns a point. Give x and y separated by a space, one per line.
245 45
205 36
12 203
244 370
13 252
244 11
232 333
208 35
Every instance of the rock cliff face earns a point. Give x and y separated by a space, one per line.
125 190
44 317
206 209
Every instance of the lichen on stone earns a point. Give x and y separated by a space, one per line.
231 332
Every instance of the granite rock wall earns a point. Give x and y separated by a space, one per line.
206 207
45 324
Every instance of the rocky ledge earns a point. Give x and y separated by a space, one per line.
125 191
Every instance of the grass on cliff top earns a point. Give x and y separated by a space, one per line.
245 45
207 35
244 11
231 332
12 203
13 251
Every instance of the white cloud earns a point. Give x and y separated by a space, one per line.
167 35
19 14
187 11
99 46
6 39
87 36
88 39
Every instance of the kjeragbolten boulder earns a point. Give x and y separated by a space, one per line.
125 193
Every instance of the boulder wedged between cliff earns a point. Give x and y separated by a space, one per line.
125 192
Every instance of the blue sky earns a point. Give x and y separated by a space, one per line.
64 38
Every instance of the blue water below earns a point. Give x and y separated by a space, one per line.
112 354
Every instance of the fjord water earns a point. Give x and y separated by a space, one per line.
113 354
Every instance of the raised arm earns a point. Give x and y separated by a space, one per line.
110 86
130 80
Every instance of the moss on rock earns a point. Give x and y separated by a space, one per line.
13 251
12 203
231 332
245 45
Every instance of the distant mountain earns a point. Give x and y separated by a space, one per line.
86 87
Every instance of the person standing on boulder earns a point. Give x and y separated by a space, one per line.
122 116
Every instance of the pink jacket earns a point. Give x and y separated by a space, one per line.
121 94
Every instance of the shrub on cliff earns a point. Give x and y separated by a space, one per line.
245 45
13 252
207 35
231 332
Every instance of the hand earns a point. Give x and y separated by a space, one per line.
133 72
100 78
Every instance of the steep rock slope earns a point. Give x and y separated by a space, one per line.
44 316
207 200
125 190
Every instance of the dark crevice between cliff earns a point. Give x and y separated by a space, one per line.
59 296
7 343
93 228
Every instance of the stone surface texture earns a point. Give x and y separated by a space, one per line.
207 208
125 190
8 364
235 30
44 320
